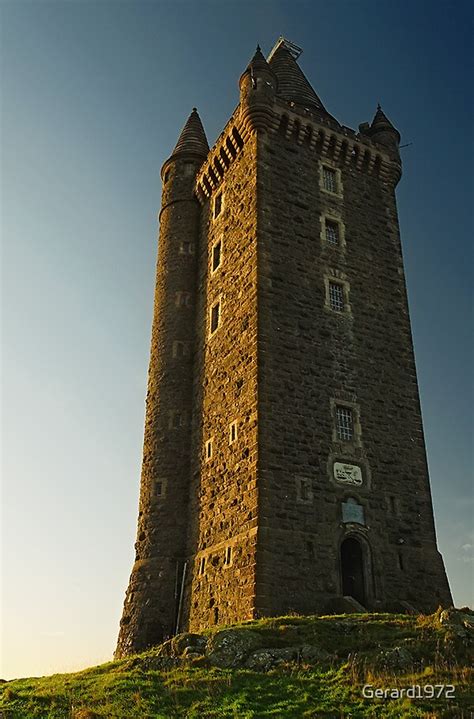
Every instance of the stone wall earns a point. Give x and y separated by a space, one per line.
311 359
223 507
151 602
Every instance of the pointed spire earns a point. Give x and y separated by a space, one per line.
381 123
292 82
193 138
258 61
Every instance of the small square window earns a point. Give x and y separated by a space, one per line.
304 491
329 179
228 556
182 299
332 232
208 449
160 487
216 255
175 419
345 423
180 349
215 316
218 205
186 248
232 432
336 296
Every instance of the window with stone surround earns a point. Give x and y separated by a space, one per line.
208 450
232 432
332 232
215 316
344 423
337 292
336 296
216 255
330 180
217 205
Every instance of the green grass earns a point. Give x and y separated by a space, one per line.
134 688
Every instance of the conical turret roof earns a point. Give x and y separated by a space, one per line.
193 139
293 85
381 122
258 61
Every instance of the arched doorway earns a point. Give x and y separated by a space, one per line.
352 569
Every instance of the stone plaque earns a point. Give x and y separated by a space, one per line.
348 473
352 512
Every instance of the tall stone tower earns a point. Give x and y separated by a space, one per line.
284 463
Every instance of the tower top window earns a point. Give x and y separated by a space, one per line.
329 179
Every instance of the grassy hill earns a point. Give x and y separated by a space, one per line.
313 667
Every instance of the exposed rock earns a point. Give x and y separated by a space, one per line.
265 659
159 662
230 648
313 655
396 659
188 641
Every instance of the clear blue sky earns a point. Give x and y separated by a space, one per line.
93 97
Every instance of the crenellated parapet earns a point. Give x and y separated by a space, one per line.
220 158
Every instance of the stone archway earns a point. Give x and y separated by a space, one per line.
352 570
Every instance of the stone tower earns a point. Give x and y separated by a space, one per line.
284 464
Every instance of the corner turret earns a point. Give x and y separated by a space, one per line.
382 130
258 85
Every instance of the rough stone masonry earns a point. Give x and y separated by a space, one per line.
284 464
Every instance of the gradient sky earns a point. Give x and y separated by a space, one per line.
93 96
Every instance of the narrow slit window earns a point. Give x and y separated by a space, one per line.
202 565
218 205
304 490
336 296
208 449
332 232
329 179
216 255
228 556
215 316
232 432
345 423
